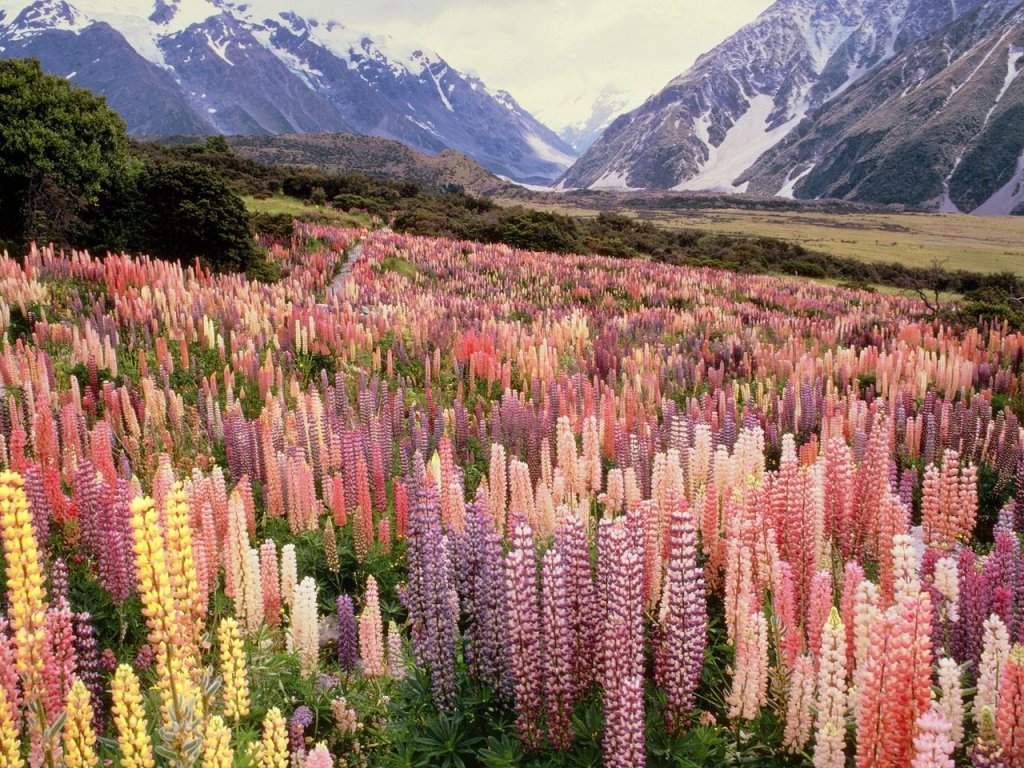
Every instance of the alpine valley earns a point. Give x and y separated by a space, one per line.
915 102
211 66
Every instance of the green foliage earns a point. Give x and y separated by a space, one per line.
189 212
58 146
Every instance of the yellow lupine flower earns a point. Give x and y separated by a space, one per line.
217 752
26 598
272 751
10 748
180 563
130 719
79 739
169 632
233 669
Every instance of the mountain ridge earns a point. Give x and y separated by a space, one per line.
730 122
212 66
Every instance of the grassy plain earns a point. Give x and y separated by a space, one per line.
292 206
976 243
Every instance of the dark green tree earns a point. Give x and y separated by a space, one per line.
58 146
187 211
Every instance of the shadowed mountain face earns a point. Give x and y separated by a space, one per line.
207 66
898 101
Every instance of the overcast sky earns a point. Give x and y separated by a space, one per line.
555 56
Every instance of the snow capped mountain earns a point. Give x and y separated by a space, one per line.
216 66
744 103
609 104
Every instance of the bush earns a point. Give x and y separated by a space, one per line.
188 212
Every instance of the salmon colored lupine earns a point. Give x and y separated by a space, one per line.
130 718
1010 708
371 632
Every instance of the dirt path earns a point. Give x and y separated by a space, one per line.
353 256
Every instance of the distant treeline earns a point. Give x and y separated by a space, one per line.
450 212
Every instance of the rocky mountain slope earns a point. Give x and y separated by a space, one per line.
908 101
213 66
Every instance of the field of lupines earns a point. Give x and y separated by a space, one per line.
474 506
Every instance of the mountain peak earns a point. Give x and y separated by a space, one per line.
214 66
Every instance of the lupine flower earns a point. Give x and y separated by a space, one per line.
396 657
428 596
933 747
319 757
830 725
289 571
371 632
347 640
345 718
305 637
996 647
217 752
26 599
10 748
169 633
79 737
1010 708
300 720
272 751
559 642
233 669
130 719
951 700
331 547
798 707
524 630
88 664
270 583
623 664
682 618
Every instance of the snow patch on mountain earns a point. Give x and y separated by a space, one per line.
1008 197
748 138
545 151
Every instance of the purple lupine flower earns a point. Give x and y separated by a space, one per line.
559 642
623 647
975 600
481 584
144 657
88 668
429 592
38 504
59 579
683 620
347 641
300 720
523 641
585 610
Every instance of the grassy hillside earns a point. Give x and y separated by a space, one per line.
347 153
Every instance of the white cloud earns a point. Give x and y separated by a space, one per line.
555 56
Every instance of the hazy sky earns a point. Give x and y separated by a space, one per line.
556 56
